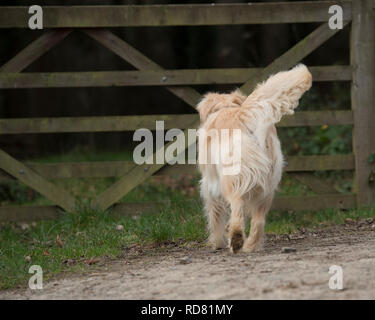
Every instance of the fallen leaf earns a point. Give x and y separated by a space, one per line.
91 261
46 253
59 242
349 220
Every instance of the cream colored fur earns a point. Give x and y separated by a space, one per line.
231 199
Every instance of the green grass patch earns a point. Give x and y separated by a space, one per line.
291 221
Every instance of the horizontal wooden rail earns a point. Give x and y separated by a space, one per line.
131 123
35 213
104 169
30 213
174 15
321 162
153 77
303 203
94 124
316 118
314 203
293 164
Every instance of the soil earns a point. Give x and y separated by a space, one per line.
290 267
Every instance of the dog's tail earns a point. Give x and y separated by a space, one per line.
279 94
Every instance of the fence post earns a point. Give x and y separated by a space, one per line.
362 59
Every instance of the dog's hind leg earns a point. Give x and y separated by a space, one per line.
217 217
236 225
258 220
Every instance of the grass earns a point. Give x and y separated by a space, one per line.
291 221
91 235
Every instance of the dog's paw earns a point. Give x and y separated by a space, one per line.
217 244
236 241
252 247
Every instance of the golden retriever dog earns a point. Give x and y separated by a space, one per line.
231 199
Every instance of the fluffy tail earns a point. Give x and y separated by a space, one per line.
279 94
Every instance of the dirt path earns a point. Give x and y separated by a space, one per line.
177 272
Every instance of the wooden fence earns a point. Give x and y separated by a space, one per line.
91 20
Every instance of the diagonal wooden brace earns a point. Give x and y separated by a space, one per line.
140 61
294 55
29 177
34 50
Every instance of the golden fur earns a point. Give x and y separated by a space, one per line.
250 192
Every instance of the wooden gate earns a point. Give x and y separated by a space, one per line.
91 20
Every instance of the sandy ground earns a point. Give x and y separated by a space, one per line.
174 271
